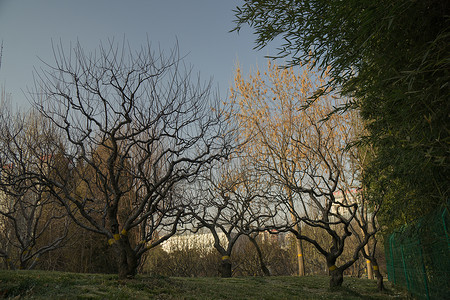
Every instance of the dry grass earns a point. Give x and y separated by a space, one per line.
60 285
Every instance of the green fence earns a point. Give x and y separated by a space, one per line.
418 256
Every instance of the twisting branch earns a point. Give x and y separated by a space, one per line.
133 129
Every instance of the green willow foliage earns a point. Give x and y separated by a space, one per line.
392 57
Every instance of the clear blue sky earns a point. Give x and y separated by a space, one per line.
202 27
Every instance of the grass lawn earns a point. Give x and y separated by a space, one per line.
60 285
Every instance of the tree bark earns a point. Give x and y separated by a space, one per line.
378 275
298 242
380 284
127 266
226 271
337 277
126 258
336 274
368 264
300 258
261 261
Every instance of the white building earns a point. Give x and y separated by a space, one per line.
190 241
347 198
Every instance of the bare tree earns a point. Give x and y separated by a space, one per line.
366 218
253 239
133 126
367 226
28 212
231 203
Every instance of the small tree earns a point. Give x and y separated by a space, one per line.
133 126
367 213
231 203
32 221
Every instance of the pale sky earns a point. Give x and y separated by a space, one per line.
27 28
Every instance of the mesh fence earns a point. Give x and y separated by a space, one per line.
418 256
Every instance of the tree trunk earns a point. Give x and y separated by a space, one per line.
127 265
380 283
226 267
261 261
337 277
126 258
336 274
368 263
8 263
23 265
298 242
300 258
378 275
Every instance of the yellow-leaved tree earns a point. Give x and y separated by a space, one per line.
288 134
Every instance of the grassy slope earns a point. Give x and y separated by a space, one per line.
59 285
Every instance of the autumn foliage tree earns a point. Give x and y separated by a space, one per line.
266 110
304 156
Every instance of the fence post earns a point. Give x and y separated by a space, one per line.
391 246
425 280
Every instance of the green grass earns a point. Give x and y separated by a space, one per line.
60 285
